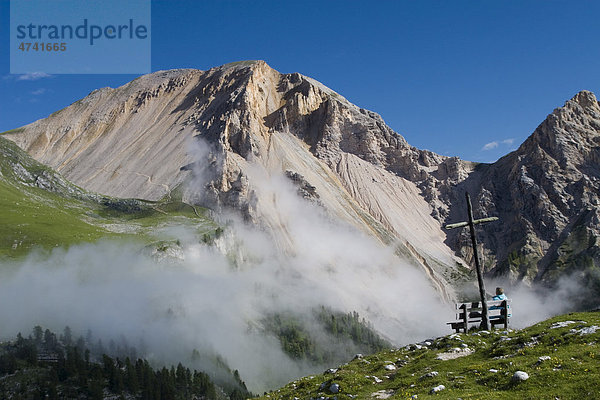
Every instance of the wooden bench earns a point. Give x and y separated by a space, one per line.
469 315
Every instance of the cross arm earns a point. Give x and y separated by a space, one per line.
475 222
457 225
484 220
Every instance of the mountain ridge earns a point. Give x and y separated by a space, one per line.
246 114
546 191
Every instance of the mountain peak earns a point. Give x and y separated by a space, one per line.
585 99
570 133
244 64
570 126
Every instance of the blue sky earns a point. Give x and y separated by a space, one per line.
465 78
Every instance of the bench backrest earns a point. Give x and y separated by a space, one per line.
496 308
469 314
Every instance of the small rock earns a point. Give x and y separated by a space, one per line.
358 356
493 371
543 358
382 394
588 330
437 389
331 371
431 374
561 324
376 379
334 388
401 363
455 352
390 367
520 376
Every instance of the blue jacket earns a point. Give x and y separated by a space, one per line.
500 297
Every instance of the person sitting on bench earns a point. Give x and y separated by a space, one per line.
499 296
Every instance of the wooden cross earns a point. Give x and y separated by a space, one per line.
471 223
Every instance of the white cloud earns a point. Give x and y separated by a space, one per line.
216 297
496 143
490 146
33 76
38 92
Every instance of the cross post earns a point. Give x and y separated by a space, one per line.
471 223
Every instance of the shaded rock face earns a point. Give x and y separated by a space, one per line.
223 130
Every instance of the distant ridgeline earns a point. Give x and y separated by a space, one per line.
43 366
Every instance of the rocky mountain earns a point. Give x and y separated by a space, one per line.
222 133
226 130
546 195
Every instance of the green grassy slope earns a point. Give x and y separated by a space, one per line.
39 208
560 359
